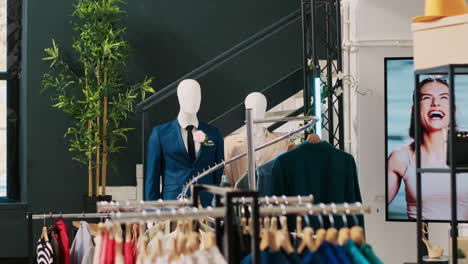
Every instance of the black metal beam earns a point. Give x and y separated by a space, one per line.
329 40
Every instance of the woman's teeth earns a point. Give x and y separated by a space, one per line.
436 115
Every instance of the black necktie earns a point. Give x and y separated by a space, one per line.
190 143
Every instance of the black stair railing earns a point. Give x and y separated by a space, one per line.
219 60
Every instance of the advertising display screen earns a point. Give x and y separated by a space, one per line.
400 150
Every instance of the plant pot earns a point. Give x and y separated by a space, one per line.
89 203
462 261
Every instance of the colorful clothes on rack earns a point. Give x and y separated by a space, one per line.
45 253
104 247
341 254
129 253
314 258
97 248
82 243
64 242
294 258
110 251
268 257
354 253
52 233
263 173
367 251
88 257
320 169
327 251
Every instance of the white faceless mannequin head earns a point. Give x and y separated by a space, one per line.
258 103
189 94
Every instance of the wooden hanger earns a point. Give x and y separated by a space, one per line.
181 238
193 242
142 247
93 228
307 240
249 228
157 248
265 234
283 236
117 230
314 138
173 254
274 245
320 237
299 226
332 236
343 235
357 235
143 241
179 227
209 240
128 233
44 235
119 258
243 223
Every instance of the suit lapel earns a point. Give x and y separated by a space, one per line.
179 141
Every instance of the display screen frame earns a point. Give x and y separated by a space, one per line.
386 90
386 61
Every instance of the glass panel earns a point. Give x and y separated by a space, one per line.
3 35
3 137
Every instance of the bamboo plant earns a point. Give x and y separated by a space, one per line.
89 86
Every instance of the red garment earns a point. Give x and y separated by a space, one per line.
104 247
64 242
129 253
110 252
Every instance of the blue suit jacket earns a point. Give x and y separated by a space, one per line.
168 157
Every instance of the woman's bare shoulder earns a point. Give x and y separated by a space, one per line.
399 159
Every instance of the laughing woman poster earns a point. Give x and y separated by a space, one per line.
435 119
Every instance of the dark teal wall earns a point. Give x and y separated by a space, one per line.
169 38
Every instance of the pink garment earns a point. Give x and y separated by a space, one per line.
64 242
129 253
104 247
110 251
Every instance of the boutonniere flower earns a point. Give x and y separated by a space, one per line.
202 138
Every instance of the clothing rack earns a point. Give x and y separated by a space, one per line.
175 214
274 141
267 210
132 206
116 206
229 194
31 217
232 198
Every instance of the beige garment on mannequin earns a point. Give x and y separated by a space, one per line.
237 143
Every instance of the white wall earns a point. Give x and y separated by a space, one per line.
379 22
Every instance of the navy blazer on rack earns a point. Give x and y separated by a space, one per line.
168 157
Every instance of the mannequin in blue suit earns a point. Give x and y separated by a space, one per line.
169 156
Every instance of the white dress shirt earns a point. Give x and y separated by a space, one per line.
183 125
